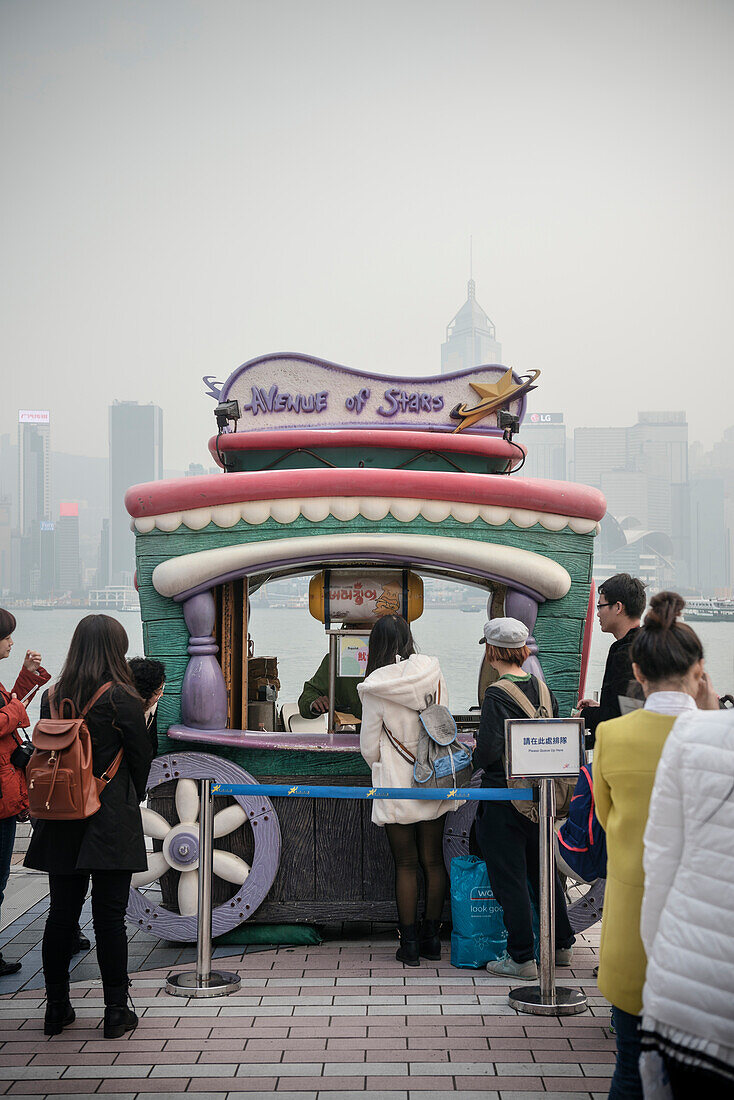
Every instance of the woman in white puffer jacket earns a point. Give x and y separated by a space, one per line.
687 921
393 692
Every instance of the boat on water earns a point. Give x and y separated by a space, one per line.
365 485
708 610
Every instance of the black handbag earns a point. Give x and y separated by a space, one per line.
22 753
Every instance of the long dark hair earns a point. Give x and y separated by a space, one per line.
390 638
96 655
665 648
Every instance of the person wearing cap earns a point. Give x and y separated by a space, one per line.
508 840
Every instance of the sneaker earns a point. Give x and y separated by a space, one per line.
506 967
564 956
8 967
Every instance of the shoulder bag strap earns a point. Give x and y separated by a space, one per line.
110 773
399 747
515 692
544 696
52 701
95 698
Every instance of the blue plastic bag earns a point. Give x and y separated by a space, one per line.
479 934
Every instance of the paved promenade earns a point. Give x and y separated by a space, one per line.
339 1021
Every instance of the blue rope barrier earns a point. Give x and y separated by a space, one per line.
473 794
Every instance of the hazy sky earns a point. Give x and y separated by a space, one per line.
190 184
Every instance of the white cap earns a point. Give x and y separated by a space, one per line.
506 633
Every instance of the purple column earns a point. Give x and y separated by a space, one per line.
204 692
525 608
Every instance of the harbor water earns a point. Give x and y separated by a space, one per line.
299 643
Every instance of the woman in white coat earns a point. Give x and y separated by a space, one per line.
393 692
687 921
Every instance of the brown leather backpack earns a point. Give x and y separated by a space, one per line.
61 784
564 788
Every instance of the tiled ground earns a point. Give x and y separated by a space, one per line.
332 1022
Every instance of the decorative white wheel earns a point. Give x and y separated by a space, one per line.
180 848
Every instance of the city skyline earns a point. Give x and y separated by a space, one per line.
195 185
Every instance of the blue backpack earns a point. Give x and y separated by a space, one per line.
582 841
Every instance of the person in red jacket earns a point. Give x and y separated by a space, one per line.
13 716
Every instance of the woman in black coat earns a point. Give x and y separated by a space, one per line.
106 847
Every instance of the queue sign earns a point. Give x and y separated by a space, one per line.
543 748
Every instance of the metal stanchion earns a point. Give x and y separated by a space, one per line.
545 999
204 982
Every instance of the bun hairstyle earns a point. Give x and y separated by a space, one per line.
665 648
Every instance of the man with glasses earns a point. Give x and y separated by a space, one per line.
619 610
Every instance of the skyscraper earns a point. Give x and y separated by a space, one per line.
598 451
640 470
136 454
470 337
34 468
544 435
5 544
34 502
68 562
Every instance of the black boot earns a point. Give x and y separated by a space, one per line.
408 953
430 940
8 967
118 1017
81 943
59 1013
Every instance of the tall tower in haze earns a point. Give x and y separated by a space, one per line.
136 454
470 337
35 557
34 468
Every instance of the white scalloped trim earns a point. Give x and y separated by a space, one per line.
451 553
316 509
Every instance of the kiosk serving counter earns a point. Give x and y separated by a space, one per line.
339 476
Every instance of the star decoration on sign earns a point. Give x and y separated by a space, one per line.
493 396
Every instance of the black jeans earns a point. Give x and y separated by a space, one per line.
109 901
510 847
7 840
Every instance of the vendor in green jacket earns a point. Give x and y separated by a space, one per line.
314 698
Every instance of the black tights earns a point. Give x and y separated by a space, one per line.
420 842
109 900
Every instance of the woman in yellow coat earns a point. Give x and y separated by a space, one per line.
667 659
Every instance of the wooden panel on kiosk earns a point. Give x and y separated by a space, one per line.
231 635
